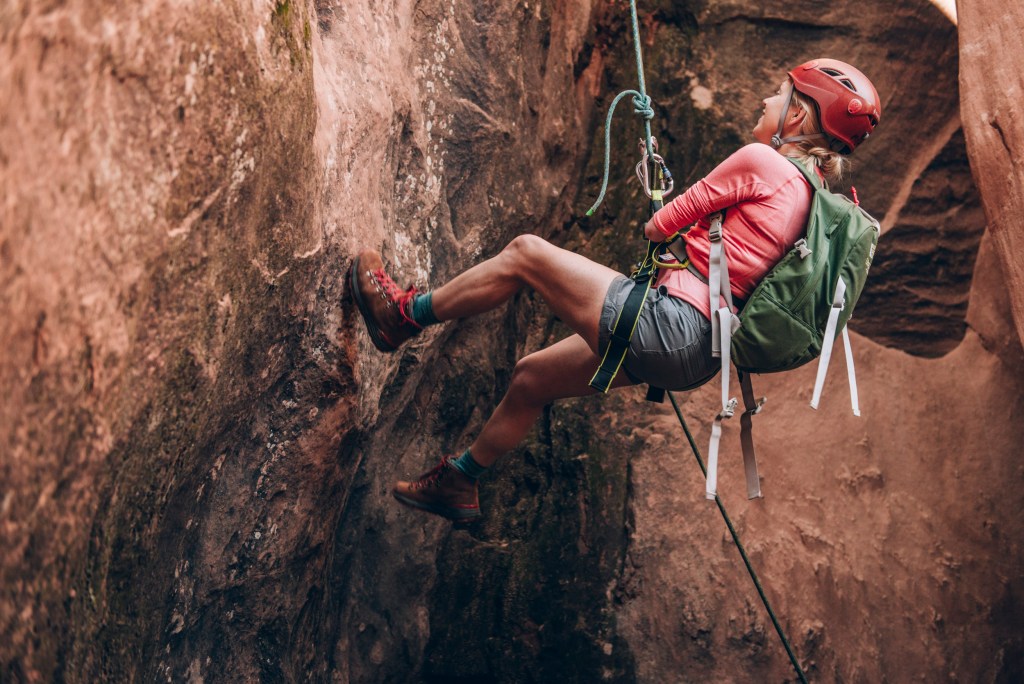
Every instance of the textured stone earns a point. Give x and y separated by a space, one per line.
197 436
916 297
990 76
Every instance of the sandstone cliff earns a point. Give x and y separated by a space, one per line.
197 438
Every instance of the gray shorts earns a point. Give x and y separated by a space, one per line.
671 346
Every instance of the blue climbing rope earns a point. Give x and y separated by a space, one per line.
641 106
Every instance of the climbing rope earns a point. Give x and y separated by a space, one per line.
739 545
641 106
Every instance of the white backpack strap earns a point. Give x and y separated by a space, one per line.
838 302
752 407
854 401
722 318
723 325
711 483
716 259
724 338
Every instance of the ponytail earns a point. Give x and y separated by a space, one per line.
814 153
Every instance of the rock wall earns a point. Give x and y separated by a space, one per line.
162 255
193 414
198 438
990 77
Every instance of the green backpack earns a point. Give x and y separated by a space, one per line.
794 313
782 325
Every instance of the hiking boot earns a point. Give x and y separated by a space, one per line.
444 491
382 303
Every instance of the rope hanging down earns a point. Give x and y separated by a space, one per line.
641 106
743 551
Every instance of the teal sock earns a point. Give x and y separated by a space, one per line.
422 310
468 466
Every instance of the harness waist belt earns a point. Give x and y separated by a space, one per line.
678 250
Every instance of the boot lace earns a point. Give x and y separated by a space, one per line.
432 478
396 295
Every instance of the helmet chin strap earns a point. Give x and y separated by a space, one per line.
777 139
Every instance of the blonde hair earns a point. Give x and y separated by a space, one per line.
815 153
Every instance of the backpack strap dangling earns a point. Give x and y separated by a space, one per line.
838 302
711 482
753 407
850 373
723 325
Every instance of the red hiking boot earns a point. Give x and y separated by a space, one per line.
382 303
443 491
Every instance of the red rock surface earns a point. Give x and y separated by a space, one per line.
197 438
990 78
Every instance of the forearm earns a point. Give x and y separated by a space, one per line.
652 232
739 178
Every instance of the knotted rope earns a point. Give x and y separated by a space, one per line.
641 106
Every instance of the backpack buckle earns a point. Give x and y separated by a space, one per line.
715 230
753 411
729 410
801 246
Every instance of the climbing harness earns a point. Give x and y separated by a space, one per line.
643 276
625 324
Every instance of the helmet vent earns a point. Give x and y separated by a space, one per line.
838 75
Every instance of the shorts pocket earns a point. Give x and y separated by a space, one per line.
667 328
672 347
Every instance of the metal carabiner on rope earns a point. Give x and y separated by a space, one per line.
665 182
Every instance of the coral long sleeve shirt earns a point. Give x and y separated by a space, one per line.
767 202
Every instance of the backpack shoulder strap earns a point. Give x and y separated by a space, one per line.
811 176
723 325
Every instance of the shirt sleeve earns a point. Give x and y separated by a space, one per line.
737 179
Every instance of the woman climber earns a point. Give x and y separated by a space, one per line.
820 113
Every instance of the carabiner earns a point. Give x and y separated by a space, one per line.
642 172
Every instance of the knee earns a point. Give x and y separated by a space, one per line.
526 248
528 381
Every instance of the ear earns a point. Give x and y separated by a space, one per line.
798 116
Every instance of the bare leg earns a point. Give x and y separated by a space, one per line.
562 370
572 285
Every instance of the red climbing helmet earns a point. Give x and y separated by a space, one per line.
847 102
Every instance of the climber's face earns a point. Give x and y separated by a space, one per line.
771 108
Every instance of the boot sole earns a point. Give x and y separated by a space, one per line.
443 511
375 335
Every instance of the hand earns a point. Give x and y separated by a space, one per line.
653 233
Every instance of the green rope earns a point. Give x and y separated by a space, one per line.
647 112
641 106
743 552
